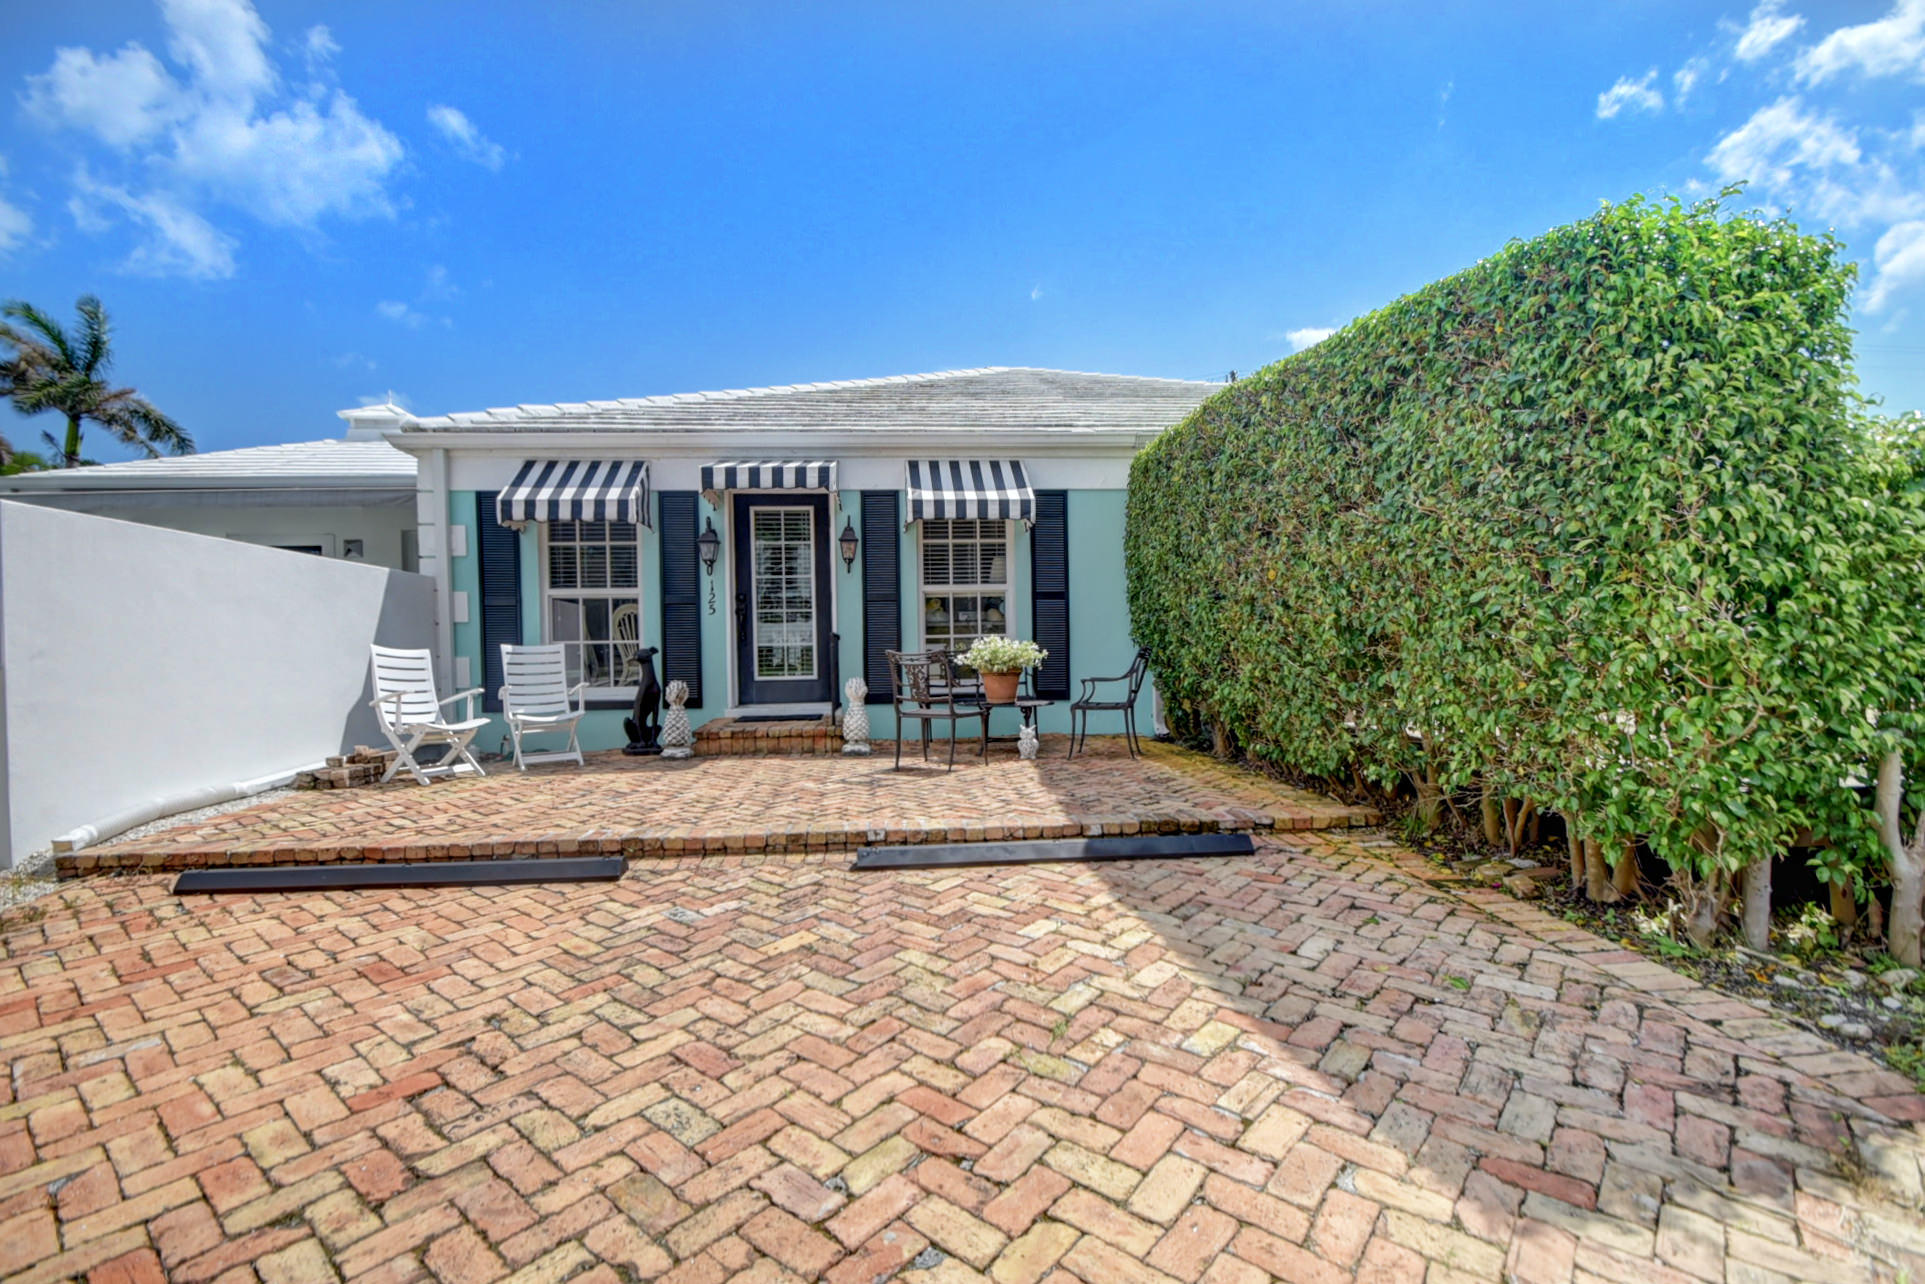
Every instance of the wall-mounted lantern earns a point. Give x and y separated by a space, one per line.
708 544
849 543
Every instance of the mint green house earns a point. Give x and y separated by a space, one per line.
772 543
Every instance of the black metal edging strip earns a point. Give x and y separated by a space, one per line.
1121 847
445 873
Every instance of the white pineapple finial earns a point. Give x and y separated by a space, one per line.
677 739
855 717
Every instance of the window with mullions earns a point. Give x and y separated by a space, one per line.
591 598
965 581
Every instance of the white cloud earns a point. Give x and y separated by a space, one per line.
15 225
1894 45
469 142
179 241
395 310
438 287
124 98
1629 94
318 44
1769 27
1816 165
1685 79
1778 139
1308 337
291 167
223 43
225 132
1898 263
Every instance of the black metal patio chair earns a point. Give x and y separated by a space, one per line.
1087 703
926 689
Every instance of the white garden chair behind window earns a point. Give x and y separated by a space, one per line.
626 624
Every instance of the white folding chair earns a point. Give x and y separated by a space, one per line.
411 717
536 699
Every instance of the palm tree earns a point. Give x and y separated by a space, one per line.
50 369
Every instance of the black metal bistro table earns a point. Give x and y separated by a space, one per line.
1024 704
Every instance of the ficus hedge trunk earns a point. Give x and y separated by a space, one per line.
1757 907
1906 862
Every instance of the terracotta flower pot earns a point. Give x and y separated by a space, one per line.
1000 688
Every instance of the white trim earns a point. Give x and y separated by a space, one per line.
900 443
433 516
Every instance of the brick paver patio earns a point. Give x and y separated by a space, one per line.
1308 1065
650 807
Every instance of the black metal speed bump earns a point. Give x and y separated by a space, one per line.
440 873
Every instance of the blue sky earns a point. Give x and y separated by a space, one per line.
293 207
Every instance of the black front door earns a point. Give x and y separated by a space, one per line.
782 599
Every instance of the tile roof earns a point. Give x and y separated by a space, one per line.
337 463
988 399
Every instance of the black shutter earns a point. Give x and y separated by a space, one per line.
681 594
1049 591
500 551
881 588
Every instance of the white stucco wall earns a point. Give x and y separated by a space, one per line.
140 663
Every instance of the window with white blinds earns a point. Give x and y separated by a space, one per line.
965 581
591 598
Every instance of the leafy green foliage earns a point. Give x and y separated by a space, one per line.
1596 523
43 367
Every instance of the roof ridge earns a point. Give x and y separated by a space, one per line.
1106 374
525 409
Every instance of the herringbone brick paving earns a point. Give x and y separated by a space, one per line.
650 807
1307 1065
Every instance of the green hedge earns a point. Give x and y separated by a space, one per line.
1597 523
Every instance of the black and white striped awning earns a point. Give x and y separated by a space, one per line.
769 474
576 490
983 489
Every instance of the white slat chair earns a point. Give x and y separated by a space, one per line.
411 715
537 700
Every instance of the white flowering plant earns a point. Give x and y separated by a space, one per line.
998 654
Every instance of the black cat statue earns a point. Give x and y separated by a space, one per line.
644 728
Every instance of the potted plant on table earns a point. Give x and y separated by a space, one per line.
1001 662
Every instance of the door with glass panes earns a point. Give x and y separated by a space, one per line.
782 609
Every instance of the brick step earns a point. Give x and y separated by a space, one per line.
645 844
733 737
